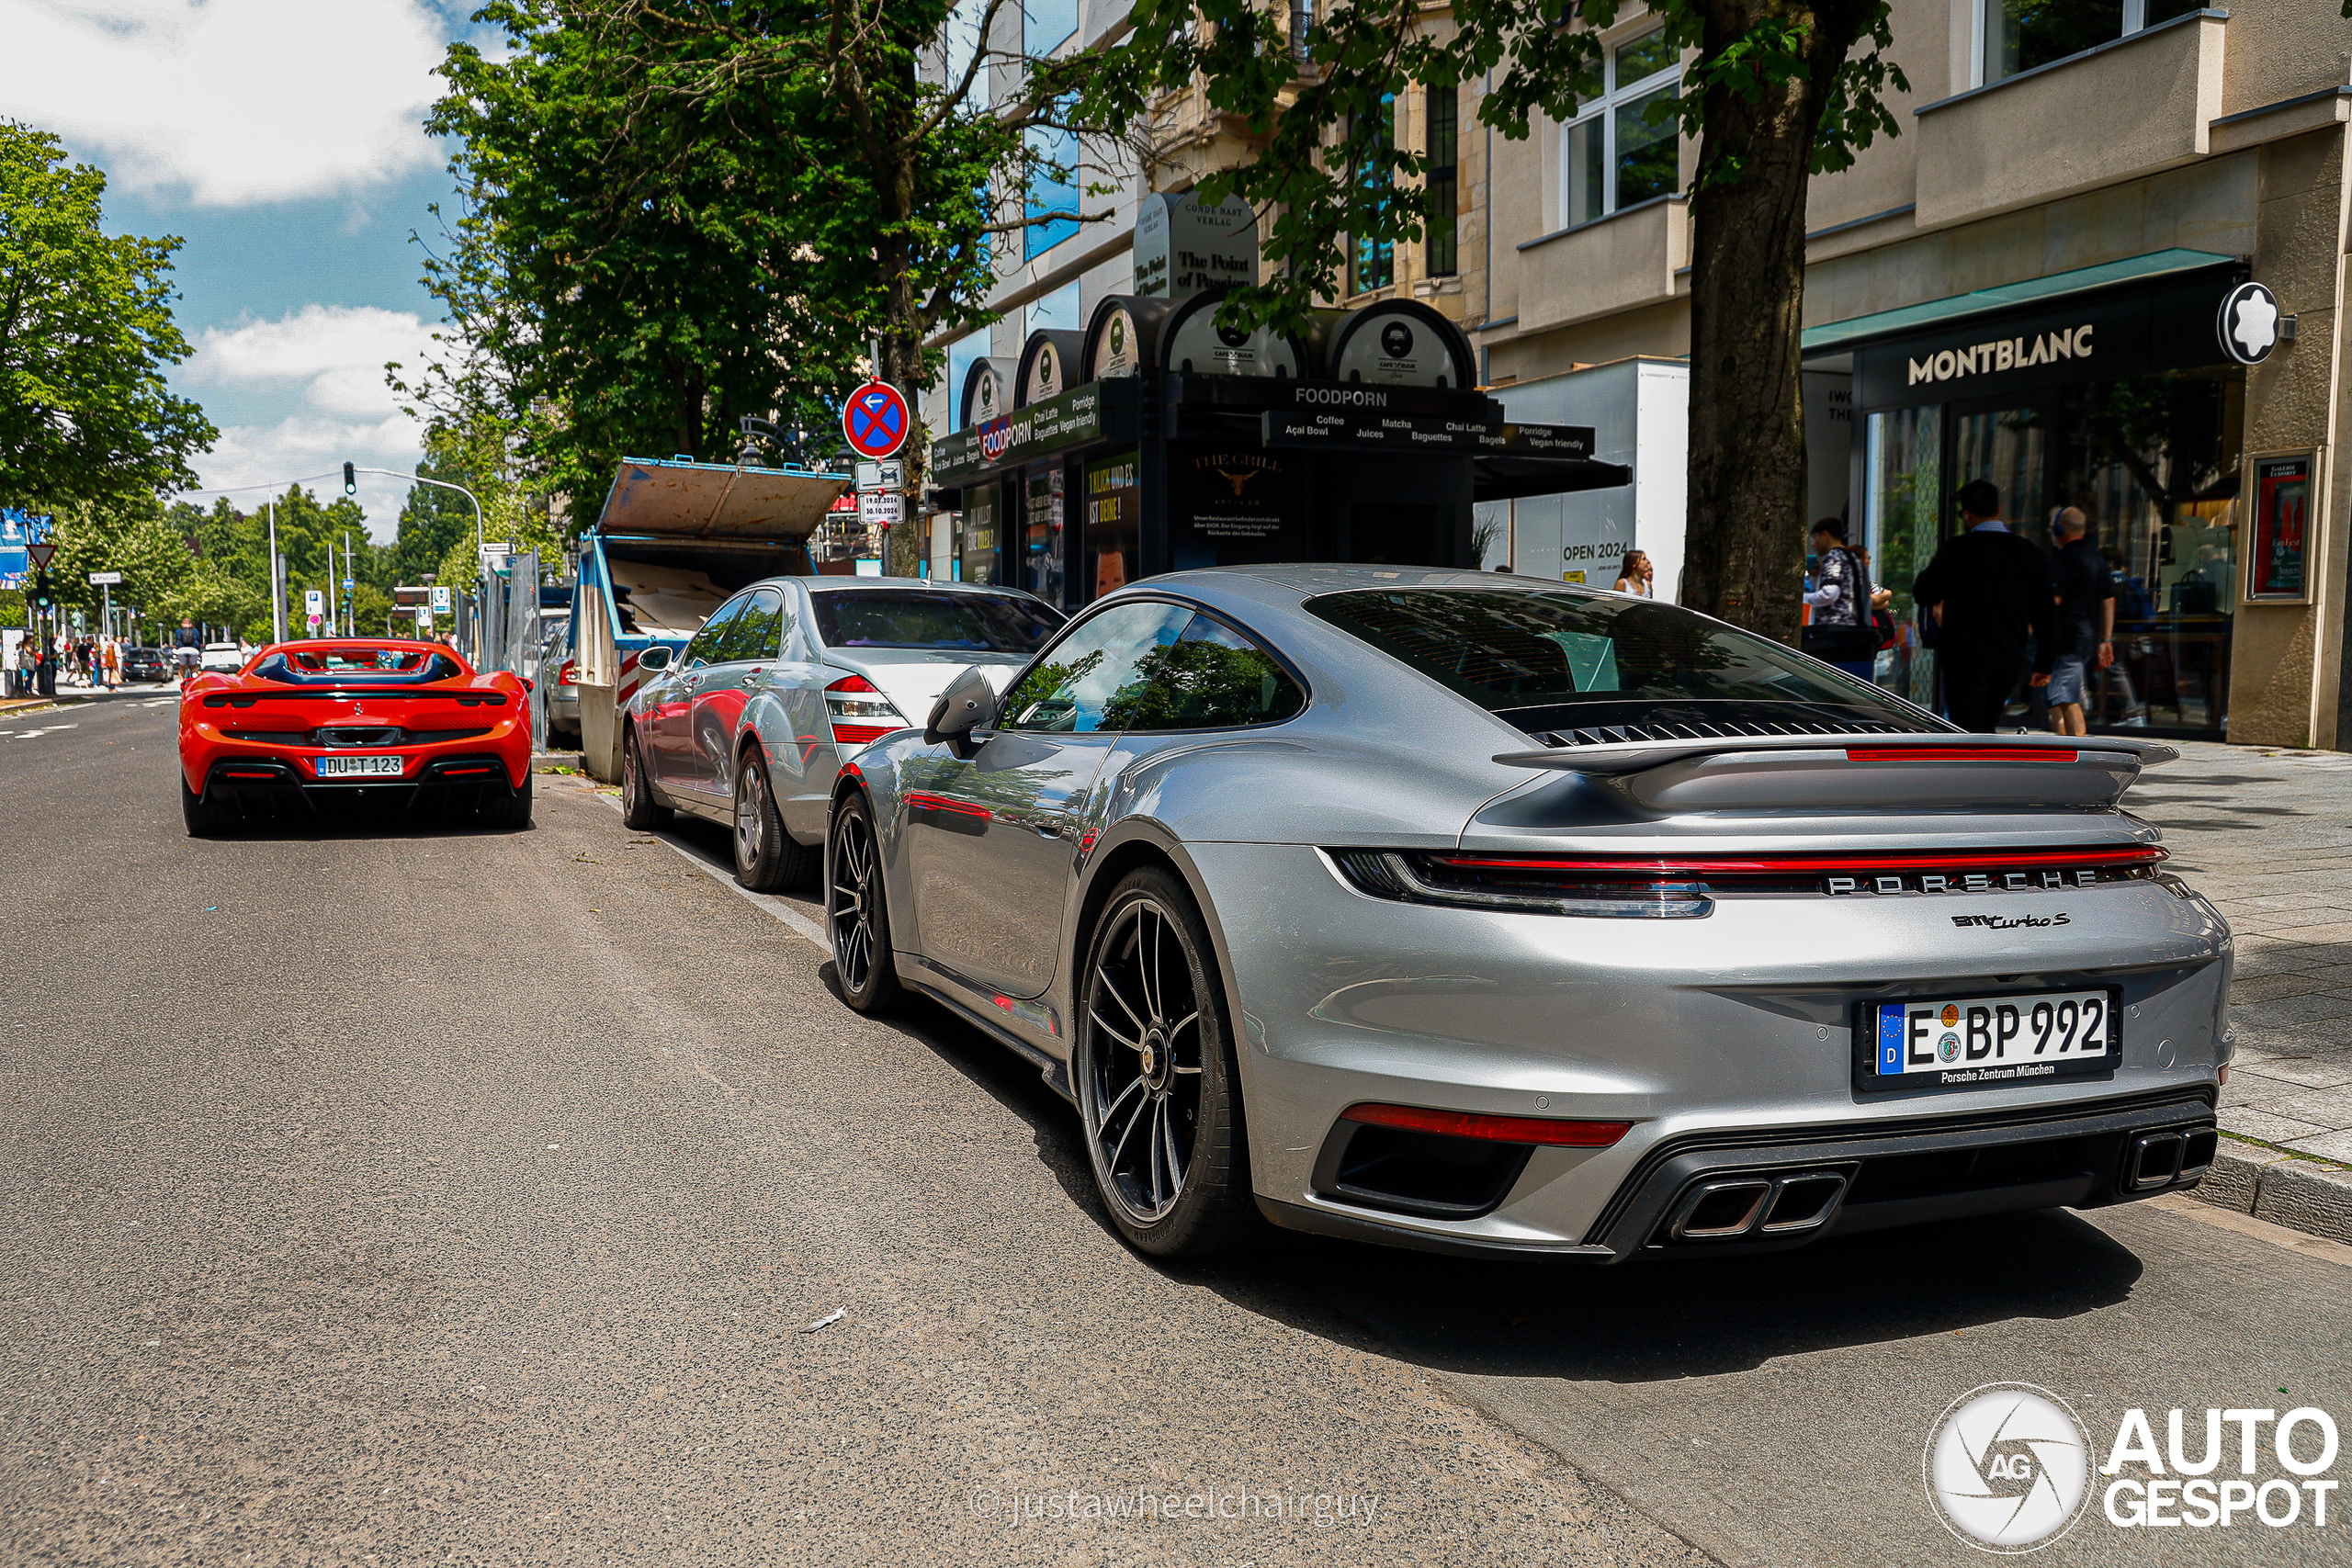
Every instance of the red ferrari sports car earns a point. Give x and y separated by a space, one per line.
359 718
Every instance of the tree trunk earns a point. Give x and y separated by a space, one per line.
1745 543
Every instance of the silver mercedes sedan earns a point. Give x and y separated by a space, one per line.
1472 912
789 679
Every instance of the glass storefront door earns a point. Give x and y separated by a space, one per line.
2150 460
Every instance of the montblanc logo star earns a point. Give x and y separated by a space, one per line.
2250 319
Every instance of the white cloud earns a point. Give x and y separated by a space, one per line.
339 351
233 101
301 446
330 361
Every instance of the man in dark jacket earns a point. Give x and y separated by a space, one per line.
1989 591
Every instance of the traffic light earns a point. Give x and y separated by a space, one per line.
350 479
42 597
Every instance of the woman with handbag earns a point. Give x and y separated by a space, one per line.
1842 631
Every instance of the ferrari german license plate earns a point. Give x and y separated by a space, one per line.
364 765
1957 1042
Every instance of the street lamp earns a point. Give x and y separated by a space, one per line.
419 479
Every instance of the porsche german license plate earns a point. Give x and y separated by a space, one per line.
1995 1039
363 765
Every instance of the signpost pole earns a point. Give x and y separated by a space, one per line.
276 582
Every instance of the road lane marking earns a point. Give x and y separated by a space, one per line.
792 919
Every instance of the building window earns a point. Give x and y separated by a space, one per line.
1053 188
961 355
1046 25
2019 35
1371 262
1623 147
1058 310
1444 134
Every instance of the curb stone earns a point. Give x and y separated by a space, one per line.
2272 1185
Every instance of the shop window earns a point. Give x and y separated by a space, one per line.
1053 189
1444 133
1372 260
2019 35
1902 501
1623 149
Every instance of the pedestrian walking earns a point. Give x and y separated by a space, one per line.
2084 591
1988 591
1842 631
112 655
1636 575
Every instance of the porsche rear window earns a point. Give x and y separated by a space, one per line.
377 666
1509 651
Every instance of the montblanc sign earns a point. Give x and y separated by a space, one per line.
2002 353
2100 334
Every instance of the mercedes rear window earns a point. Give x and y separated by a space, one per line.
1528 656
961 623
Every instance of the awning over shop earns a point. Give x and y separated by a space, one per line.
716 500
1507 478
1834 337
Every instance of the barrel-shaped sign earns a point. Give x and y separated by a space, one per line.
875 420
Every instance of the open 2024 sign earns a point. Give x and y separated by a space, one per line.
875 420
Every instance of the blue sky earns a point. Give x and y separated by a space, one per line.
281 140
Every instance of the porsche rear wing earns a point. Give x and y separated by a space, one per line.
1864 771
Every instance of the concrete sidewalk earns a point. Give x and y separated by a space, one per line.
2266 834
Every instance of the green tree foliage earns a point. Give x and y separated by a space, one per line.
1774 90
630 271
86 335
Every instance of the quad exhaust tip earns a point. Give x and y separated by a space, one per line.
1732 1206
2161 1159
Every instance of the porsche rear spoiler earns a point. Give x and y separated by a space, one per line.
1831 770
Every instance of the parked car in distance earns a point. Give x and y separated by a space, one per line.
221 658
787 682
1481 913
145 664
560 680
381 721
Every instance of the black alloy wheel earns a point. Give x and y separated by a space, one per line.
856 914
766 857
1157 1085
638 809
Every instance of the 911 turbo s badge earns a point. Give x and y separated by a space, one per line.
2006 922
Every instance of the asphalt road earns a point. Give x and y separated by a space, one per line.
389 1194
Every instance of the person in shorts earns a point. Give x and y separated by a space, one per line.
187 649
2084 591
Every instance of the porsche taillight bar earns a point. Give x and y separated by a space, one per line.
1797 865
1962 754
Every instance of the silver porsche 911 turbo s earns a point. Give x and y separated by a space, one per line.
789 679
1467 911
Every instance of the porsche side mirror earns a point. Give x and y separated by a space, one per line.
968 703
654 658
